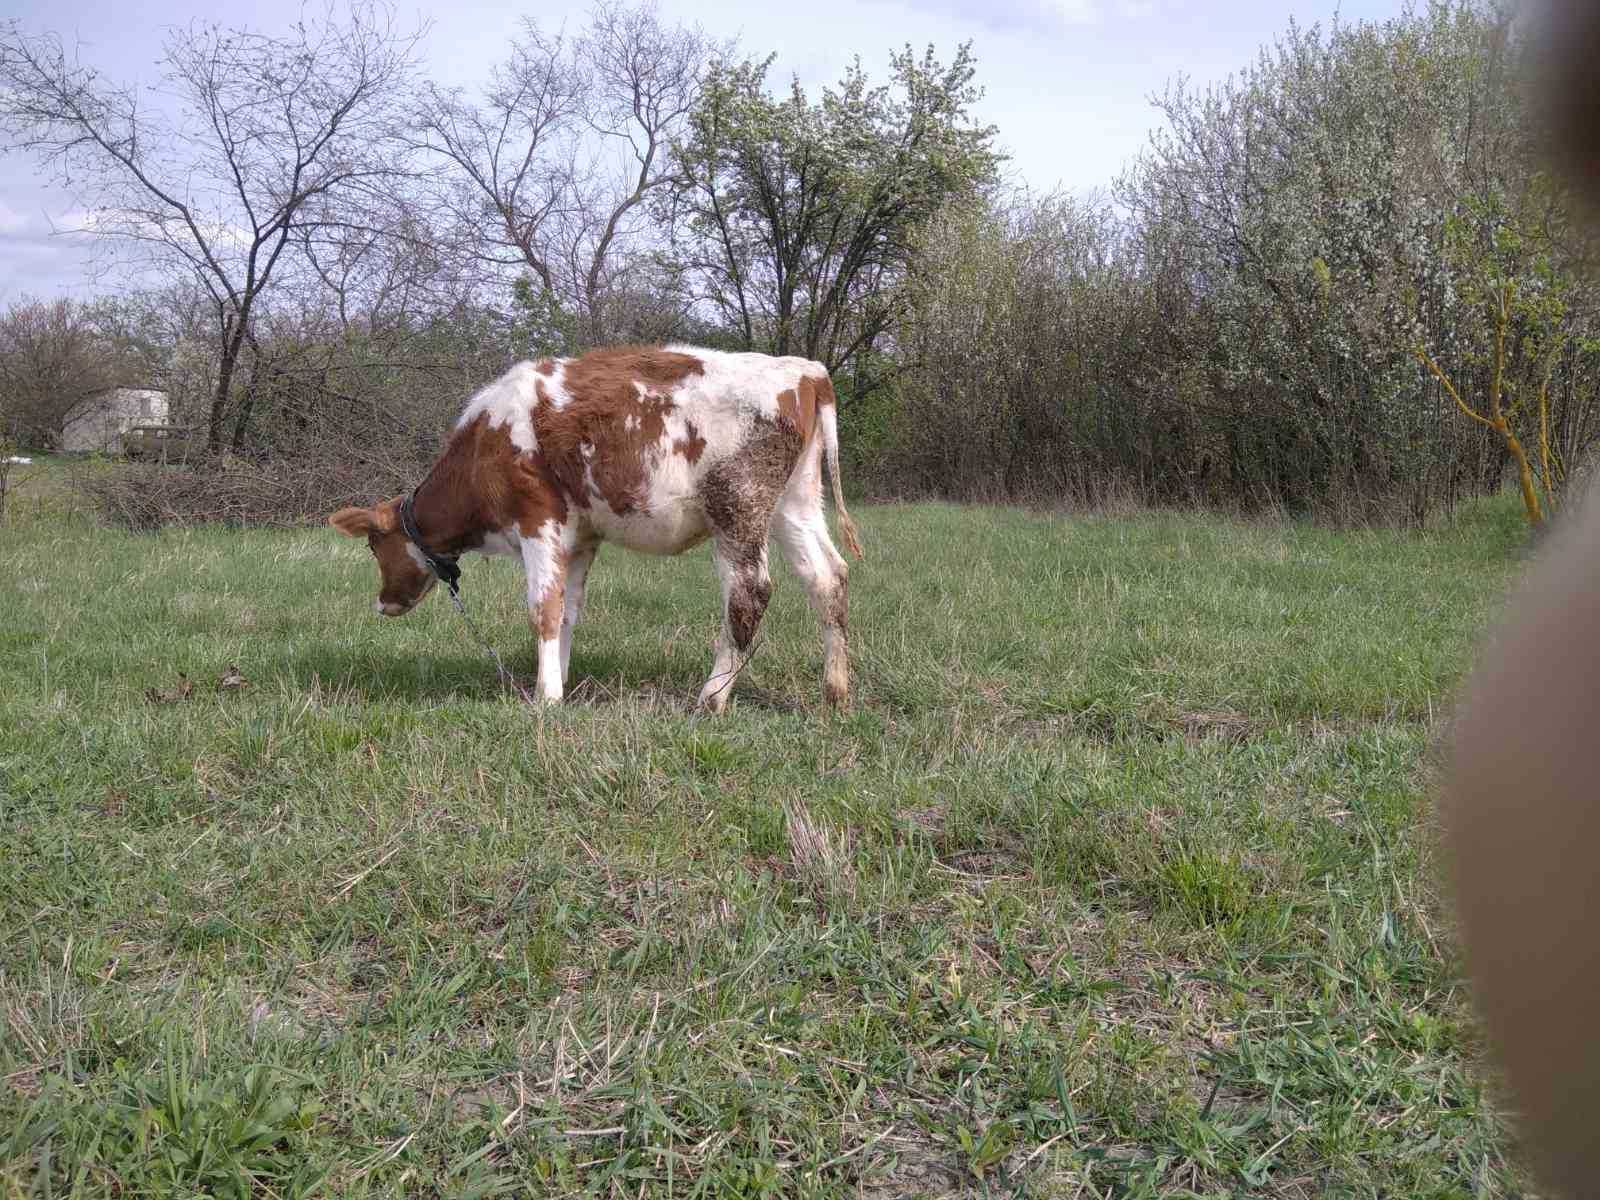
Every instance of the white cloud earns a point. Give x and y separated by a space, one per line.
79 220
37 264
110 220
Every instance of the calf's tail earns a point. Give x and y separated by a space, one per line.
828 425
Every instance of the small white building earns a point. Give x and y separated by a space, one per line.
98 421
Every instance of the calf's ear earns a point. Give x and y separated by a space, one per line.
353 522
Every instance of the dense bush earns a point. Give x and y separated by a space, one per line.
1294 254
326 414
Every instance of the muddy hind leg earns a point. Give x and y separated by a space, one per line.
740 497
746 588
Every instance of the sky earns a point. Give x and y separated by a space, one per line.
1068 82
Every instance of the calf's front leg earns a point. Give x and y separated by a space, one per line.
545 555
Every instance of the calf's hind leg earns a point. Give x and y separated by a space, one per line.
740 496
802 532
746 588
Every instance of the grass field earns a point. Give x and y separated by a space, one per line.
1116 880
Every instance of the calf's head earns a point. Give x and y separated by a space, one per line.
404 575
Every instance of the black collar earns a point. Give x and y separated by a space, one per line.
445 566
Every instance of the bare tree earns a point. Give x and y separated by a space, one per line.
551 172
644 81
379 272
507 160
51 356
252 137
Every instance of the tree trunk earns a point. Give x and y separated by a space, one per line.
1530 497
241 426
232 339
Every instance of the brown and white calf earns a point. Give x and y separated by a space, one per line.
653 449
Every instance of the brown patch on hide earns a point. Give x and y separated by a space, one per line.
401 581
741 492
481 484
824 388
691 446
602 372
747 601
484 483
839 603
552 602
618 403
797 407
565 468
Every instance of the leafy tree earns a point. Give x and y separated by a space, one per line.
539 325
1312 212
1503 255
796 219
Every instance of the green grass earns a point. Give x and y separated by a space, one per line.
1116 880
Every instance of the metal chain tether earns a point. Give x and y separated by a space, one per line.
506 677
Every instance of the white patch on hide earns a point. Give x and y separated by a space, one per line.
544 562
418 557
667 527
508 401
732 392
540 560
